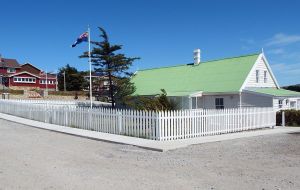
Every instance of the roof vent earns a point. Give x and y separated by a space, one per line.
197 56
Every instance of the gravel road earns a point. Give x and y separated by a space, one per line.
32 158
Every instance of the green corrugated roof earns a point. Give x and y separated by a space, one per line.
276 92
225 75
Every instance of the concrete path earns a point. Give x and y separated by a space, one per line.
145 143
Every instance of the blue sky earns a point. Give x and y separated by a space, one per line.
161 32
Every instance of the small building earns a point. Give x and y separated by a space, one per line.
25 77
244 81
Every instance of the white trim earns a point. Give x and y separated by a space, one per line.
219 93
8 68
33 80
220 106
49 81
251 71
261 56
24 72
270 70
256 93
196 94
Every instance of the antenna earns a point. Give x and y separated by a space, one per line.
262 50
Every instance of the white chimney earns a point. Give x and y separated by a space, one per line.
197 56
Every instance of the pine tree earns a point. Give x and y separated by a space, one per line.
74 78
107 62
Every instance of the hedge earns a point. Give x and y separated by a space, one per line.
14 92
67 93
292 118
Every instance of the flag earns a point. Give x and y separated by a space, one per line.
82 38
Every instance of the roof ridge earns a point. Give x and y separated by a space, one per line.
247 55
164 67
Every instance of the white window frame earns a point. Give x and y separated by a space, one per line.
280 103
9 70
293 104
219 103
24 80
43 81
194 102
257 76
265 77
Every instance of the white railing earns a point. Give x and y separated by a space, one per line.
163 125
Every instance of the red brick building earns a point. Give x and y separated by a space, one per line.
25 77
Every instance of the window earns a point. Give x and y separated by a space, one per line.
280 103
43 81
257 76
24 79
293 104
11 70
194 102
265 77
219 102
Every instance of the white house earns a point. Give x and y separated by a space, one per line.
244 81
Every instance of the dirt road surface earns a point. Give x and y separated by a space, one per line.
32 158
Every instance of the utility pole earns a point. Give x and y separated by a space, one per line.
56 82
46 82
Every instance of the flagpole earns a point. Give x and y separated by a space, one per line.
90 63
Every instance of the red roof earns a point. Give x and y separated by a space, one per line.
12 63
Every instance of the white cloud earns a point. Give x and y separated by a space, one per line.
282 39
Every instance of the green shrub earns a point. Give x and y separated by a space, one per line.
157 103
67 93
292 117
15 92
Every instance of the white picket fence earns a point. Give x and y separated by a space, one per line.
69 103
162 126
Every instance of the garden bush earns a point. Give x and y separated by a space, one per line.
292 118
67 93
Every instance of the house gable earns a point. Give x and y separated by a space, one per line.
30 68
260 67
24 73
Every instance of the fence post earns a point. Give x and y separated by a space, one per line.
120 122
157 126
283 119
45 113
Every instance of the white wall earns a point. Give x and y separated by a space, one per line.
286 103
230 101
261 66
233 101
253 100
208 101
